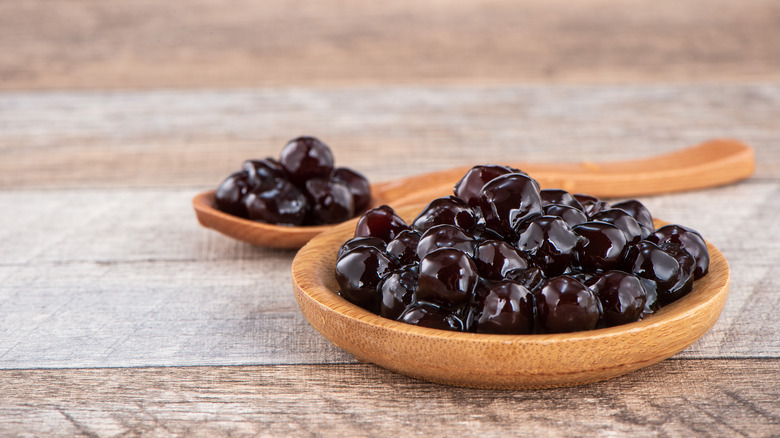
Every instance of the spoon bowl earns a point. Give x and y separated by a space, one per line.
498 361
709 164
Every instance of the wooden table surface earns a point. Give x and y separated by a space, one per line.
120 315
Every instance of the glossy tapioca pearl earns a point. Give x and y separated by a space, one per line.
531 277
446 211
356 242
481 232
503 306
330 201
509 200
445 236
621 219
549 243
591 204
397 291
494 258
306 163
447 278
565 305
261 171
586 278
358 186
381 222
638 211
304 158
651 293
647 260
690 240
404 247
278 202
601 247
231 192
358 274
571 215
460 273
687 267
470 186
431 316
559 197
622 297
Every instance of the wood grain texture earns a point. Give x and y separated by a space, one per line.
498 361
128 278
240 43
196 138
102 263
672 398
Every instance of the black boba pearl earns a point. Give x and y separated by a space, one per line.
358 186
690 240
622 297
638 211
231 192
687 264
565 305
470 186
481 232
445 236
586 278
591 204
647 260
559 197
509 200
397 291
531 277
494 258
447 278
262 171
356 242
358 274
446 211
651 292
279 202
404 247
304 158
549 243
504 306
601 248
627 224
428 315
381 222
571 215
330 201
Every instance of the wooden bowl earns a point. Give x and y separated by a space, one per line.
498 361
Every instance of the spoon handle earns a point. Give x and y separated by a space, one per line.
712 163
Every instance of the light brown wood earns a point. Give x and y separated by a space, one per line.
709 164
498 361
104 270
712 397
96 289
243 43
193 139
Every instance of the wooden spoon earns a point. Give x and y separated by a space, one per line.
712 163
498 361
